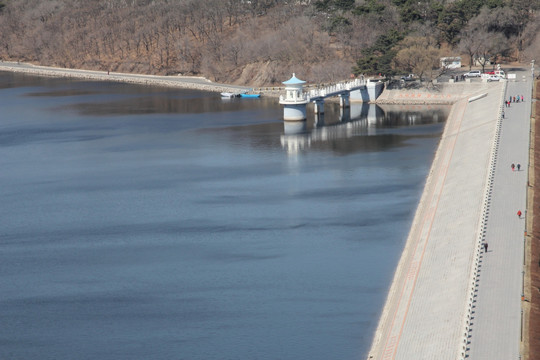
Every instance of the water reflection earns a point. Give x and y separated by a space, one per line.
359 120
127 213
294 127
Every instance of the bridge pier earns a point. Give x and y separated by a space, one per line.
344 100
344 114
318 106
374 89
318 120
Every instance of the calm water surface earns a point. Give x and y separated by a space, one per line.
151 223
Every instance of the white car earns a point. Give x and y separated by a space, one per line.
473 73
493 78
409 77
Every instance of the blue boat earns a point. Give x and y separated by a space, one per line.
250 95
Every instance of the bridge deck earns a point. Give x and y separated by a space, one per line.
319 96
337 89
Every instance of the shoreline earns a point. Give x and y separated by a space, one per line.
444 94
182 82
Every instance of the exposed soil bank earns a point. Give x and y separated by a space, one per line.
532 271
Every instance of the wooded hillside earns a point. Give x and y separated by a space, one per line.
261 42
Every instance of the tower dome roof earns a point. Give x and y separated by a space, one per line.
294 81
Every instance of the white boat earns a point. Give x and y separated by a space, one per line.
228 95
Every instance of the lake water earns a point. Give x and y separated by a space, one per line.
152 223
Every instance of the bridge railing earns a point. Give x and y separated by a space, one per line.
336 88
316 88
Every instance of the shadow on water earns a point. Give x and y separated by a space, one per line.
166 102
379 127
362 128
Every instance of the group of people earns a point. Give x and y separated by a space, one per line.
514 166
514 99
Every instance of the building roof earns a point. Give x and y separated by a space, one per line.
294 81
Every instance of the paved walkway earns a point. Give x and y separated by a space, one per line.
496 326
428 309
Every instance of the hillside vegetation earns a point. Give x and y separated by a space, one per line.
261 42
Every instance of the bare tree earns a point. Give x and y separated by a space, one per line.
532 41
526 12
470 43
491 45
417 56
330 71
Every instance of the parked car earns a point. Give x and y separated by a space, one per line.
500 73
495 72
493 78
473 73
409 77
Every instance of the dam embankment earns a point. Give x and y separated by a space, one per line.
438 93
427 296
449 299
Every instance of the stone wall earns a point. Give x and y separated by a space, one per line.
442 93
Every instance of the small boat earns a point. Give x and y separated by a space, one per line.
250 95
228 95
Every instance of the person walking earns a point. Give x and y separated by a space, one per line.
522 98
485 247
512 166
519 214
518 166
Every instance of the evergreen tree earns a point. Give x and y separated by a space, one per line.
378 58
